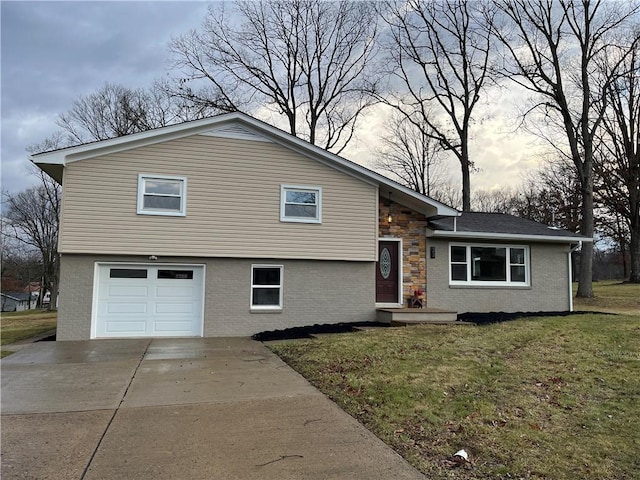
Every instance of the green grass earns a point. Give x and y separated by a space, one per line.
544 398
18 326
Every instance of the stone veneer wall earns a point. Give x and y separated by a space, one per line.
410 227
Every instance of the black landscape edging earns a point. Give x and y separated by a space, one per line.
309 331
470 317
499 317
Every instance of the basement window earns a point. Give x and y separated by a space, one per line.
266 287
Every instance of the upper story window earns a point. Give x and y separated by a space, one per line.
490 265
300 204
162 195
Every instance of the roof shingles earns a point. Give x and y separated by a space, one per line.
479 222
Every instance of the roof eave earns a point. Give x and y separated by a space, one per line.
507 236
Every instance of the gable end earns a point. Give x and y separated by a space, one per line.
235 131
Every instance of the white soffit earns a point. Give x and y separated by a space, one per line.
235 131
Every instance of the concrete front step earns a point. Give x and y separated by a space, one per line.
416 316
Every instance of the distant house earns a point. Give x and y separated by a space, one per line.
228 226
17 301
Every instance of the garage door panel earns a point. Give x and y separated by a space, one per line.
126 326
128 291
153 300
176 291
172 308
127 308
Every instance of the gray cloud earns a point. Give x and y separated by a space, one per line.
52 52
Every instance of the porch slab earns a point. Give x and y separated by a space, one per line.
416 316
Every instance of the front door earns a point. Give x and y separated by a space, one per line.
387 272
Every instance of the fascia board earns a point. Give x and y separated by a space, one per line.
135 140
507 236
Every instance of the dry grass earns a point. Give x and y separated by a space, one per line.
611 296
21 325
544 398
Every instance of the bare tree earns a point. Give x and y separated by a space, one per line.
617 167
552 195
111 111
439 53
447 193
494 201
409 155
553 48
32 218
309 60
114 110
20 263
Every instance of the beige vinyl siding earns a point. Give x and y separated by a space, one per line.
233 204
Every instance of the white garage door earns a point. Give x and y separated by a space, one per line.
148 301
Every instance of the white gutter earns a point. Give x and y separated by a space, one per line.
507 236
571 250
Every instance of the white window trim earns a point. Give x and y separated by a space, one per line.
283 198
508 282
267 308
183 195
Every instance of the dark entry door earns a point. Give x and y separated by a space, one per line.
387 272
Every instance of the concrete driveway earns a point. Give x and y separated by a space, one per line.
177 409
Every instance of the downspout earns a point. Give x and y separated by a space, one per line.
571 250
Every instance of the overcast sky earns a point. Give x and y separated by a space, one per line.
52 52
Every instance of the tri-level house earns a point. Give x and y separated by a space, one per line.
228 226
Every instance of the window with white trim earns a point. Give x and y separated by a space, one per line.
162 195
490 265
300 204
266 287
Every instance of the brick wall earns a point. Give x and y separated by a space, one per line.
314 292
549 290
410 226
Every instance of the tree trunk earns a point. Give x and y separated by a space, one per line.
585 287
466 179
634 276
623 254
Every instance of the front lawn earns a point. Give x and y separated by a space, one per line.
611 296
544 398
20 325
